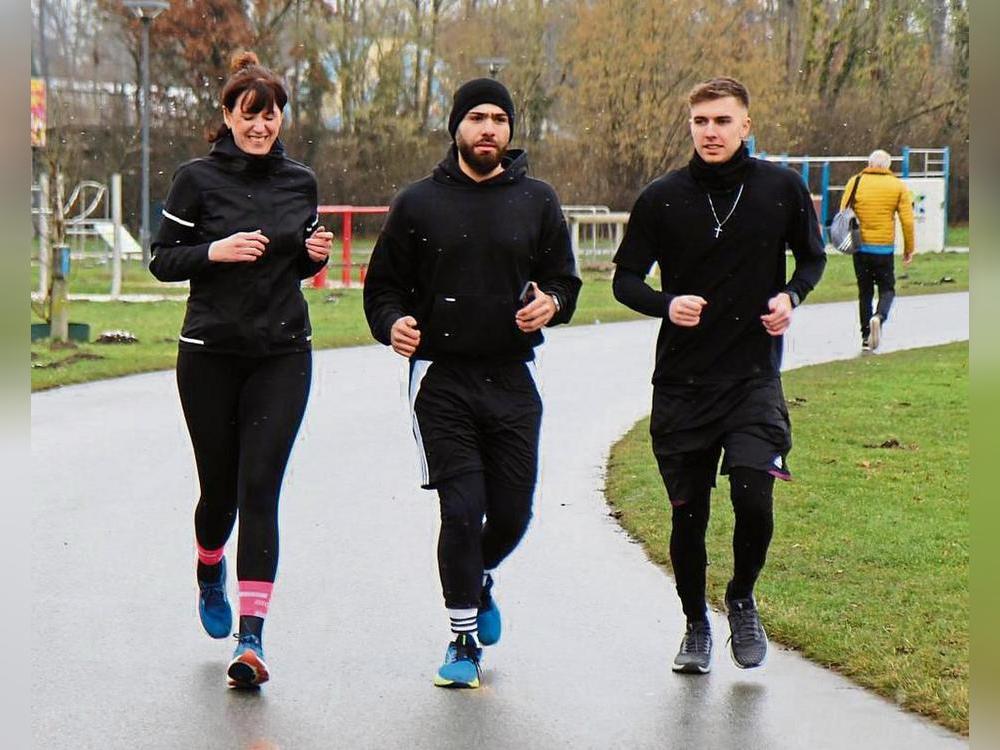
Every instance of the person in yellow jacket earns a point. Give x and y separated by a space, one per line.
880 196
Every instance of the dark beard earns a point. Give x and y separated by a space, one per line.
481 164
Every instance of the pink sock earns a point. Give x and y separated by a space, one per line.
210 556
255 597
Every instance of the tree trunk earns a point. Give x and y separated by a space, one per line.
938 12
431 57
789 19
58 296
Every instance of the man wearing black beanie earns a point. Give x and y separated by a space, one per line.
473 261
479 91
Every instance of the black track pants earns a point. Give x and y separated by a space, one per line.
873 270
467 546
242 414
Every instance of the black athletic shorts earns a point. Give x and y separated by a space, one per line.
470 416
691 425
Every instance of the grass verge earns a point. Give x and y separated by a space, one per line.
338 319
868 571
929 273
957 236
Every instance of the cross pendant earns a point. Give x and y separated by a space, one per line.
718 231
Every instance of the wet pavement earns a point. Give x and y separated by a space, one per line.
357 628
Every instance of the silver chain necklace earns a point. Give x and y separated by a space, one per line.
718 224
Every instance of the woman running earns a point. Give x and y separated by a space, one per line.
241 225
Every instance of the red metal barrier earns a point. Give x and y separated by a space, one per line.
346 237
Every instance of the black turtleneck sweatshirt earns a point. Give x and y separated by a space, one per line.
672 225
455 254
251 308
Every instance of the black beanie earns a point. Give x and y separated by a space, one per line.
479 91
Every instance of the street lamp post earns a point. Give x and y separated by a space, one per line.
146 10
493 64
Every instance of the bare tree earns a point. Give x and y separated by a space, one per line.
599 85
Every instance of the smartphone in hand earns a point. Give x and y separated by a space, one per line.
527 294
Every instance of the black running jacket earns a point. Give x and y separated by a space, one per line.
255 309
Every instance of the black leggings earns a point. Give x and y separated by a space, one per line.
751 492
467 546
242 414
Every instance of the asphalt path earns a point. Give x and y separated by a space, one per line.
357 628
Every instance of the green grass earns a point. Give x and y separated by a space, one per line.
155 325
868 571
957 236
927 274
338 319
93 276
924 276
336 315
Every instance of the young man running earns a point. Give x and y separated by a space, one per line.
719 228
472 262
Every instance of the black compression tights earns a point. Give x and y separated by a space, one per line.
242 414
687 551
751 493
467 546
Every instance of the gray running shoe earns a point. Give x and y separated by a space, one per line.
695 654
748 641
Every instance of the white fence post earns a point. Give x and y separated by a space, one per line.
43 235
116 224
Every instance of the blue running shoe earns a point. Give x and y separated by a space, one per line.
488 620
461 664
213 606
247 669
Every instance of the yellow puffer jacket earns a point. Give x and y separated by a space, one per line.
880 196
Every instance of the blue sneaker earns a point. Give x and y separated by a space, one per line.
461 664
213 606
488 620
247 669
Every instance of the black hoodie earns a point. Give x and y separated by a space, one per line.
455 253
240 308
737 270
